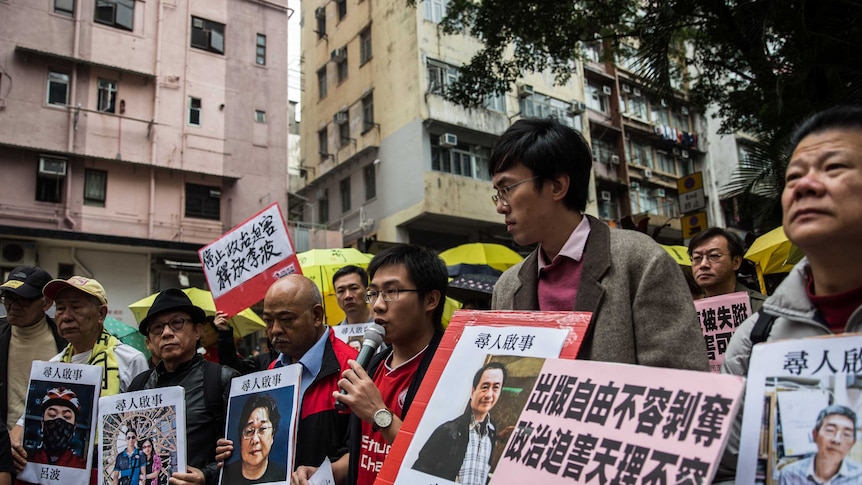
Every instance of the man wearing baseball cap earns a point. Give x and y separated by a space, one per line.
81 307
173 326
27 333
60 408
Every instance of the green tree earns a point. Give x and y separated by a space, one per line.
764 65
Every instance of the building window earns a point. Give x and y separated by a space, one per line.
435 10
195 111
323 208
367 113
49 179
593 51
495 102
107 96
539 105
323 143
463 159
365 46
639 154
116 13
341 66
58 88
370 175
342 9
207 35
321 82
64 6
440 76
344 134
95 187
203 201
598 99
320 15
602 151
259 116
665 163
344 189
261 50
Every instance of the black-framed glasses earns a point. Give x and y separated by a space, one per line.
502 194
713 258
262 431
8 299
389 294
176 324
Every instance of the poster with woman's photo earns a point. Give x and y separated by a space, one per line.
58 422
141 436
263 412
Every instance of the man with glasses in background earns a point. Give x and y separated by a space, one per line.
173 326
642 311
350 283
716 255
293 313
27 334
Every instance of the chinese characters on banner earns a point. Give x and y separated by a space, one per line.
155 417
599 422
789 382
351 333
242 264
719 316
257 397
60 396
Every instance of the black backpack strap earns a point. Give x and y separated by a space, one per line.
762 327
138 382
212 390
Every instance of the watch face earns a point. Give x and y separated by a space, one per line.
383 418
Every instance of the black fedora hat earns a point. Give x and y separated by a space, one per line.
172 299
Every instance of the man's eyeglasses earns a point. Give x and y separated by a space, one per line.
263 432
176 324
502 194
698 258
9 299
389 294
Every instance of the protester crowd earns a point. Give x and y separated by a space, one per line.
641 305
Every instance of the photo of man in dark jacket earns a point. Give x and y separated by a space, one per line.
460 450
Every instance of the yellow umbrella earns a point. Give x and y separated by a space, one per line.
320 264
496 256
679 254
243 323
773 253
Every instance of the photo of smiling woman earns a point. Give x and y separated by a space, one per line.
256 429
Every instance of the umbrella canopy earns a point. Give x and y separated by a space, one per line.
679 254
472 287
127 334
320 264
496 256
773 252
243 323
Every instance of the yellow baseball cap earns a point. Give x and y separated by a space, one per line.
87 285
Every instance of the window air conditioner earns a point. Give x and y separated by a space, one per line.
340 117
525 90
684 110
615 159
449 140
685 154
637 92
663 103
338 54
635 185
577 108
626 88
658 193
18 253
52 166
647 173
198 23
676 152
607 90
606 195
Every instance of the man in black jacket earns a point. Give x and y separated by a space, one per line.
460 450
173 325
27 333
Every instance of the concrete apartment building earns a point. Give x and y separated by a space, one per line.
134 132
387 159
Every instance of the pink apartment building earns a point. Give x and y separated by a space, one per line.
133 132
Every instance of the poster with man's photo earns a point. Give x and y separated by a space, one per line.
59 414
801 416
263 412
351 333
472 408
142 436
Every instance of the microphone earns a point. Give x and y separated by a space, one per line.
371 340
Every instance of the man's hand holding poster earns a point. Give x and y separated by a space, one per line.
59 417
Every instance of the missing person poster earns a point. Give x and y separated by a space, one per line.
601 422
719 316
351 333
142 436
478 380
802 403
59 418
263 413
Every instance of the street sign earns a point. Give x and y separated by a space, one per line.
691 195
693 224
